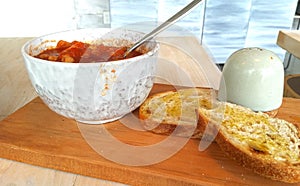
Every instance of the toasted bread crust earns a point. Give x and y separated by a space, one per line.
169 129
265 167
246 155
258 163
168 126
272 113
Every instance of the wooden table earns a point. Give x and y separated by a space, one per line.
15 86
36 135
16 91
290 41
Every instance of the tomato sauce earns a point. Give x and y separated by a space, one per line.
76 51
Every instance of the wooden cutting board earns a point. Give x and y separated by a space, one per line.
36 135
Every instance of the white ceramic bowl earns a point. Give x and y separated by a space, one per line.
93 93
253 77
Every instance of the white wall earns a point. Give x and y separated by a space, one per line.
134 11
240 24
251 23
35 17
19 18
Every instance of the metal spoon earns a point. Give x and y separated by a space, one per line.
164 25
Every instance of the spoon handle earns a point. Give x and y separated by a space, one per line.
164 25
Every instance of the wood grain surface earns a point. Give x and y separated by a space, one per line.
290 41
184 54
36 135
15 86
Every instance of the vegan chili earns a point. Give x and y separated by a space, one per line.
77 51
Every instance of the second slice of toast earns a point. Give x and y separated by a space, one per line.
164 112
268 146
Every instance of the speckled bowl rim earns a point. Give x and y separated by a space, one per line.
102 31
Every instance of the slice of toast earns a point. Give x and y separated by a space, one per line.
175 112
269 146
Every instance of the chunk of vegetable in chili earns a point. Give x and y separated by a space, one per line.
77 51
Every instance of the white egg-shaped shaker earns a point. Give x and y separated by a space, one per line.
254 78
